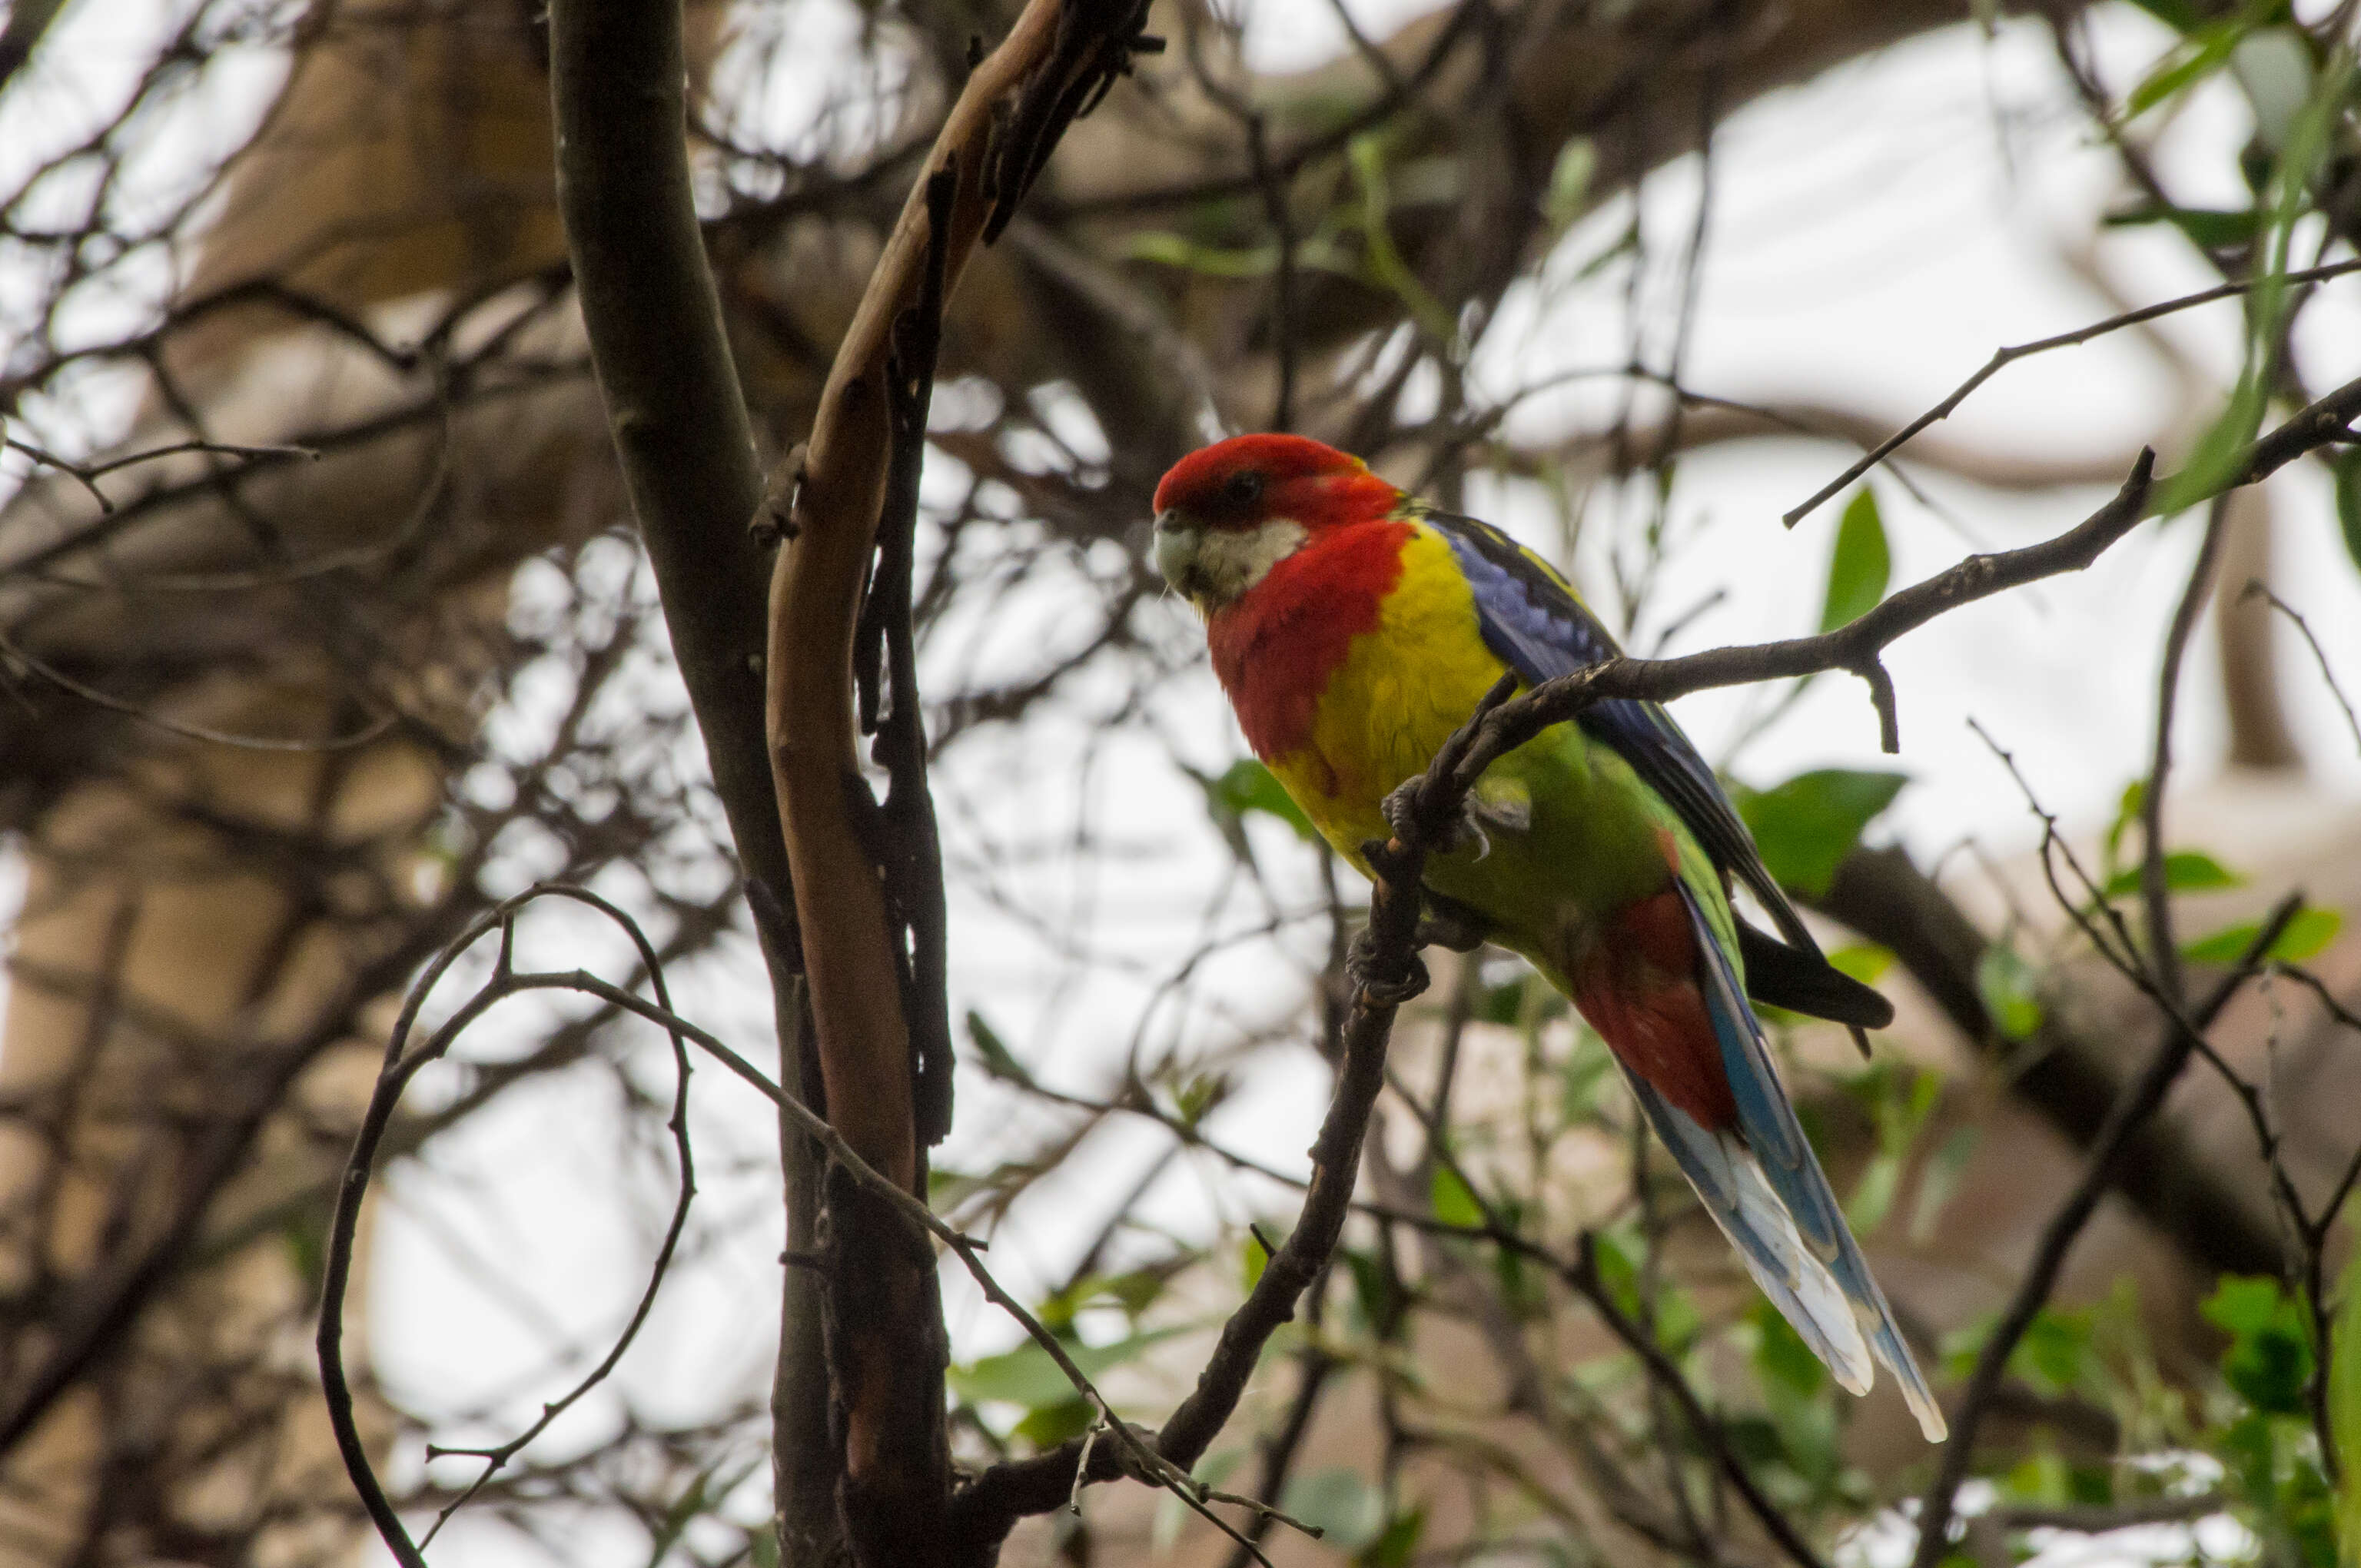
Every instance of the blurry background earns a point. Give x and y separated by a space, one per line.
357 640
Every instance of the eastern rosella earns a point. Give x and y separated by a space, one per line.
1355 628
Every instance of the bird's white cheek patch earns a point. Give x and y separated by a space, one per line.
1231 561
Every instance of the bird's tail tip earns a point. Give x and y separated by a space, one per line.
1886 1344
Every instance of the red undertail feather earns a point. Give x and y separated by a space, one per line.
1637 985
1276 648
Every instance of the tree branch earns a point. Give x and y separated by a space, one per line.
678 419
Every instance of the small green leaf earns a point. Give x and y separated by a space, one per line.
1215 261
998 1059
1875 1196
1027 1376
2305 936
2347 470
2207 228
1253 1258
1617 1272
2006 984
1398 1544
2199 55
2055 1352
1349 1513
1377 1293
2185 871
1938 1181
1864 961
1050 1425
1247 786
1453 1204
2345 1407
1781 1356
1858 564
2127 812
2270 1359
1569 185
1808 825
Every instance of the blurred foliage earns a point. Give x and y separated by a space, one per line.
1807 825
1859 563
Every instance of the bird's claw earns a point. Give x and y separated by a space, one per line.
1399 807
1360 961
1445 925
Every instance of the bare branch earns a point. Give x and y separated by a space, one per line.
2004 358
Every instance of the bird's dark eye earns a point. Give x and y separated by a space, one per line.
1243 489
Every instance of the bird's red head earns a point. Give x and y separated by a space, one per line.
1229 512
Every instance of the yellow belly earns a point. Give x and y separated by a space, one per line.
1401 693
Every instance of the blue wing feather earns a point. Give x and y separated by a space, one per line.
1532 621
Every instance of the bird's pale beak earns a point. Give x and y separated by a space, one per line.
1176 548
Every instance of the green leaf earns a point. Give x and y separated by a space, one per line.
1349 1513
1454 1203
2208 228
1253 1258
1569 185
2199 55
1198 1096
1617 1272
1381 260
1049 1425
1215 261
2270 1359
2348 500
2006 985
1398 1544
1027 1376
1246 787
2055 1352
1859 563
2305 936
1377 1293
998 1059
2185 871
1809 824
1864 961
1781 1356
1875 1196
2345 1407
2127 812
1940 1179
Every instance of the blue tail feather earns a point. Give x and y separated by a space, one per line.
1767 1124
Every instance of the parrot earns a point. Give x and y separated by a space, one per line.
1355 628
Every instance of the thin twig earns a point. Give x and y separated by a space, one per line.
2320 655
2003 357
15 652
2133 1105
2163 952
400 1066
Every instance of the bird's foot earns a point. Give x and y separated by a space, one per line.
1446 923
1360 962
1399 807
